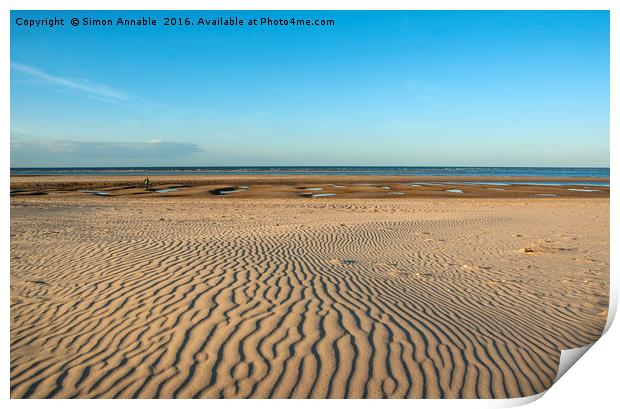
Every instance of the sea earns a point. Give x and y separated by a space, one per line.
456 171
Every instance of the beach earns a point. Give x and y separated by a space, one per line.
295 186
307 204
242 286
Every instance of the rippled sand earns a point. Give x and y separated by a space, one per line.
395 297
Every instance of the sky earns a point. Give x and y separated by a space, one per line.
378 88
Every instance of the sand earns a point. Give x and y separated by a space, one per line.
210 296
295 186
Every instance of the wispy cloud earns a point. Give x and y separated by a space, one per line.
92 90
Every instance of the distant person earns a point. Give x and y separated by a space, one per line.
147 182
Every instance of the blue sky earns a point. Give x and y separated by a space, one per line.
377 88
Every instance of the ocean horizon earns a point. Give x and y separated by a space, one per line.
499 171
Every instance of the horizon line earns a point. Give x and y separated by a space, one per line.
305 166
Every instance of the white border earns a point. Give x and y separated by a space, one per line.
590 382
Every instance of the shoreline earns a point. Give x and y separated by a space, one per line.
314 186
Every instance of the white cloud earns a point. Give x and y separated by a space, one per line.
92 90
79 153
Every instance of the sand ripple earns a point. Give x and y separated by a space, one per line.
280 300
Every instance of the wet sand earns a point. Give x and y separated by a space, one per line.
291 186
193 294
